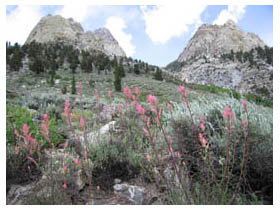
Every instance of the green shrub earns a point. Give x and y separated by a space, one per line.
17 116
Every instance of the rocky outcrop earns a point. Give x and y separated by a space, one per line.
59 29
215 40
202 61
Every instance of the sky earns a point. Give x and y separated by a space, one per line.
154 34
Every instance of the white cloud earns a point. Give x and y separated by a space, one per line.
116 25
78 12
168 21
20 22
233 12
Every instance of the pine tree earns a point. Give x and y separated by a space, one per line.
136 69
118 79
73 85
158 75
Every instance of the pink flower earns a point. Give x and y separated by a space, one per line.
82 122
45 126
109 93
204 142
46 117
25 129
16 149
178 154
171 149
80 86
228 113
137 91
65 168
152 100
169 106
127 92
77 161
148 157
120 109
64 185
16 133
85 154
202 126
202 117
244 123
98 187
141 110
244 103
182 89
146 132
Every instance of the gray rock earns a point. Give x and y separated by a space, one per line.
133 193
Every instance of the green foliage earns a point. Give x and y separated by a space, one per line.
114 160
64 89
17 116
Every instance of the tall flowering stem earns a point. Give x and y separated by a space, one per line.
228 116
45 129
153 101
246 151
182 90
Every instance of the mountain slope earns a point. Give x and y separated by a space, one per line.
227 57
58 29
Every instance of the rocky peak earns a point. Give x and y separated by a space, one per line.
215 40
56 28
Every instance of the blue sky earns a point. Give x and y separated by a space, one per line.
154 34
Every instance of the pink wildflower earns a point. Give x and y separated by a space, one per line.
182 89
80 86
148 157
171 149
77 161
204 142
127 92
169 106
178 154
64 185
228 113
141 110
65 144
202 126
244 123
65 168
120 109
25 129
45 126
137 91
98 187
146 132
152 100
82 122
16 133
244 103
16 149
85 154
202 117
